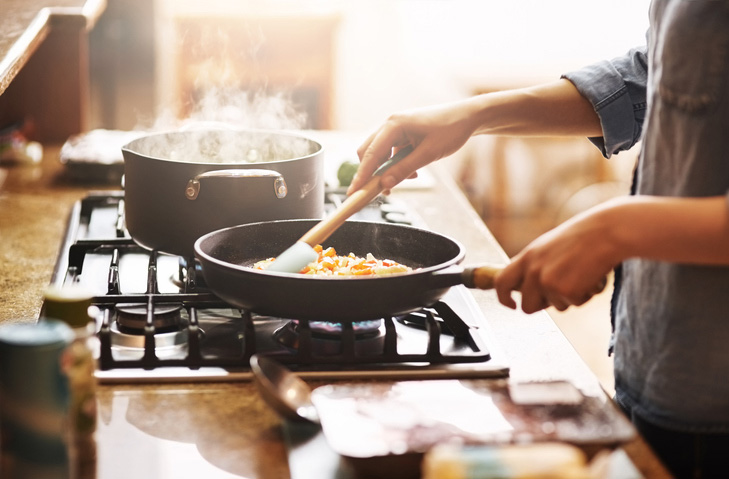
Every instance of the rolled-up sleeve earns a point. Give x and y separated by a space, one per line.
617 90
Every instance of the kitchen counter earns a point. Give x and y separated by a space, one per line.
224 430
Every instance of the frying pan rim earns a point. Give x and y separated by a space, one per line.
440 267
319 150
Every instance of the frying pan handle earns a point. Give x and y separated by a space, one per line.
481 277
192 190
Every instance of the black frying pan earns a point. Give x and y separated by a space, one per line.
226 257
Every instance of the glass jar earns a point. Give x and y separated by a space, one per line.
34 398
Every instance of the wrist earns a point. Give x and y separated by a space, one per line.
619 230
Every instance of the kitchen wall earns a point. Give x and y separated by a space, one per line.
387 54
394 54
405 53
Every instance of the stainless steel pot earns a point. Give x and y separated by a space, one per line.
180 185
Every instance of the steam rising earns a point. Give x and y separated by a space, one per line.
222 113
247 110
224 145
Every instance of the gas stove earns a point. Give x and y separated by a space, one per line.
157 322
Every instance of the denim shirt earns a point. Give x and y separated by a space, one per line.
671 334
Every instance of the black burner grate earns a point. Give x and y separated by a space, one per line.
216 334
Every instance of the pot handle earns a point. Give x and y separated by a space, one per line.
192 190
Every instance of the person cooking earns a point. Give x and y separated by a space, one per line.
668 242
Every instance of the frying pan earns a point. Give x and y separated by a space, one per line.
226 257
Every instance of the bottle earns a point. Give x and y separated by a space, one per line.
70 304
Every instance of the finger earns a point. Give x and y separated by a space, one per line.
377 152
390 180
560 304
532 297
365 144
531 302
405 168
506 282
587 296
542 304
424 152
394 182
600 286
506 299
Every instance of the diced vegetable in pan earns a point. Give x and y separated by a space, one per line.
330 264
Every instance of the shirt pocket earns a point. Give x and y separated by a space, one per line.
694 54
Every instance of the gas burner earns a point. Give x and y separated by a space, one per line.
130 346
132 318
332 329
327 337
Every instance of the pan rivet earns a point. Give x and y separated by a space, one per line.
280 187
192 189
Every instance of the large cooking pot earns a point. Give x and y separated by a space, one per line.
181 185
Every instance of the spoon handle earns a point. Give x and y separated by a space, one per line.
354 202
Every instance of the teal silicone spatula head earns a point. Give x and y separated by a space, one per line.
294 259
301 253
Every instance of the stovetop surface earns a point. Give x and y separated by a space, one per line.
215 341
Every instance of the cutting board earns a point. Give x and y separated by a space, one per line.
389 426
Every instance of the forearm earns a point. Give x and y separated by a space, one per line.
679 230
553 109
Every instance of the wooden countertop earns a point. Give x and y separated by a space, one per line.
224 429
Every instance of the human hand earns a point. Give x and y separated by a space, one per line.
565 266
435 132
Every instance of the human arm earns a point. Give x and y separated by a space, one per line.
605 101
553 109
566 265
